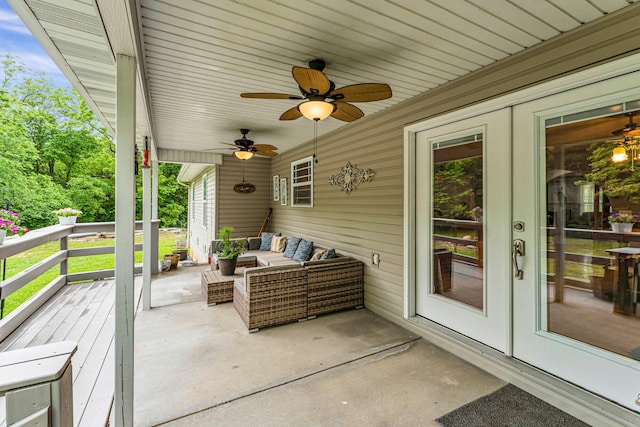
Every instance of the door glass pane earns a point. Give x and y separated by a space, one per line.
590 263
457 220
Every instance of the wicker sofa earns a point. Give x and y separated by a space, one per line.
275 289
269 296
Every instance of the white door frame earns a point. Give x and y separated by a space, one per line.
584 78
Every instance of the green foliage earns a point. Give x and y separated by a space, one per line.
457 188
55 153
172 197
230 249
616 179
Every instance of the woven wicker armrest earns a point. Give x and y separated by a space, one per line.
335 285
271 296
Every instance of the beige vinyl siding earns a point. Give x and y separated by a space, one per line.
200 235
370 219
244 212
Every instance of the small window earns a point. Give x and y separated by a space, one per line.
193 201
302 183
204 201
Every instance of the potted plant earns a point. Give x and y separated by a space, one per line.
10 224
67 216
228 251
622 222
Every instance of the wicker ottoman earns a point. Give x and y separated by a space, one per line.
217 288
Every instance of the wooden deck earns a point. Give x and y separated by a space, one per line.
83 313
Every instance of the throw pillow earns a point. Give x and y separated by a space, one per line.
303 253
265 243
317 255
331 253
278 244
292 245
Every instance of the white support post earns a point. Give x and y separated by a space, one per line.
154 214
147 235
125 237
154 190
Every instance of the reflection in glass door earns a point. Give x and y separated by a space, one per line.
457 219
576 306
592 236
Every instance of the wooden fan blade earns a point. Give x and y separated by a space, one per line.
346 112
270 96
311 81
363 92
266 153
264 147
291 114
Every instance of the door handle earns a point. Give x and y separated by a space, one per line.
516 251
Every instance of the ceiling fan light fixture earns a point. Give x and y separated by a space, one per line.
243 155
619 154
316 110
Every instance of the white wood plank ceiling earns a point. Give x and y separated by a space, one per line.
199 55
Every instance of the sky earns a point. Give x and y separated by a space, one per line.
16 40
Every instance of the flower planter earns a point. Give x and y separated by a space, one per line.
3 234
622 227
67 220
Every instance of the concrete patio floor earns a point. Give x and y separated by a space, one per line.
199 366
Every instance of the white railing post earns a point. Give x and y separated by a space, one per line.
37 385
125 237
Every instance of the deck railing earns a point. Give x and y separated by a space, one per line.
558 252
62 234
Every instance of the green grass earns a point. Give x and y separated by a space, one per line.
21 262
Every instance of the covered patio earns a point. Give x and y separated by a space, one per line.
166 78
198 365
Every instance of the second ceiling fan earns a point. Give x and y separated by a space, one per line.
245 148
321 97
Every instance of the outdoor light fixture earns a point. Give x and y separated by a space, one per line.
316 110
243 155
626 146
619 154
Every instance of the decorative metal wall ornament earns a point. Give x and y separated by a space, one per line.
350 177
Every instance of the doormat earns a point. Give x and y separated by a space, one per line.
508 407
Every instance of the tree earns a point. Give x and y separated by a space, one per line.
172 197
48 139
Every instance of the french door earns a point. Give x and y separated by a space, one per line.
462 241
576 308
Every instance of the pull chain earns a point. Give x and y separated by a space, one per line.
315 140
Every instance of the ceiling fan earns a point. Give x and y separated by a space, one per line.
245 149
322 99
629 127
